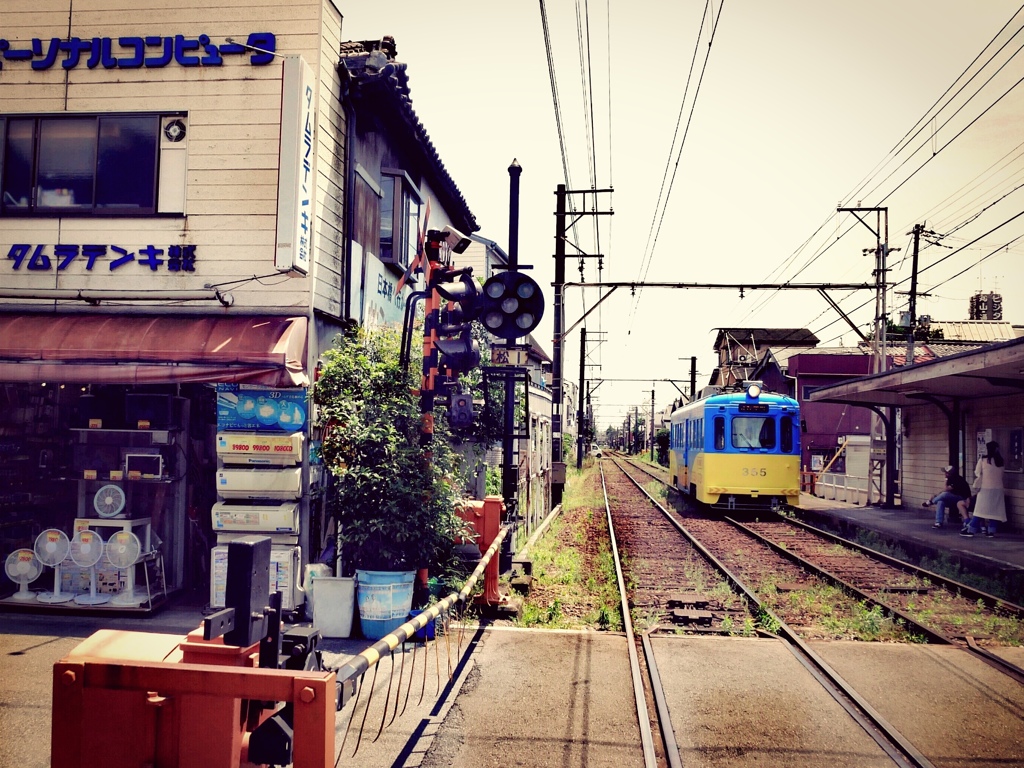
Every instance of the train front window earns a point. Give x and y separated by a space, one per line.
786 433
719 433
753 432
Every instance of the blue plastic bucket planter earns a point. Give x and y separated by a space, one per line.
427 633
384 599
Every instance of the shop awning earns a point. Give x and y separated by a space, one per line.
153 349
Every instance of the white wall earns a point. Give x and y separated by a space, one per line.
925 449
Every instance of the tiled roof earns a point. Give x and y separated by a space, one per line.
942 349
381 84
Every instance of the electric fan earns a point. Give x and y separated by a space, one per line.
123 550
108 501
86 551
23 568
52 548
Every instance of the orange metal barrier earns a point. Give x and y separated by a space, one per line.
126 699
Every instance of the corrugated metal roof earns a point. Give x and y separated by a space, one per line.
987 331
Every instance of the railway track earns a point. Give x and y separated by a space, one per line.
637 522
927 605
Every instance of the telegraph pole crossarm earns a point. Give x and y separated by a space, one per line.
843 315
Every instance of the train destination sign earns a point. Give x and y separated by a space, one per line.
753 408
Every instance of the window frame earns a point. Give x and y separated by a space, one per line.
719 433
36 210
403 243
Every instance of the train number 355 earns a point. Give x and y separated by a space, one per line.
755 472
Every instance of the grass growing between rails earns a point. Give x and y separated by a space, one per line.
574 575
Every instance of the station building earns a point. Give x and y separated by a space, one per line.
194 201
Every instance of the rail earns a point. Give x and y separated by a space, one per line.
646 735
892 742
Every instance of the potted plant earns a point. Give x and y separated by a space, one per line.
393 496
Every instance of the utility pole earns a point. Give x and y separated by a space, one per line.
693 378
562 225
913 294
636 430
579 398
883 453
652 426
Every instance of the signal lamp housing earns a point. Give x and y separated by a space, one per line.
512 305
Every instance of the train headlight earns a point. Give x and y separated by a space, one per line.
754 391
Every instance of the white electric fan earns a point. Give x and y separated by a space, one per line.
86 551
108 501
52 548
23 568
123 550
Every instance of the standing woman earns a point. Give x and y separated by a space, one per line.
988 485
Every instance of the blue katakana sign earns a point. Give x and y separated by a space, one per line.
177 258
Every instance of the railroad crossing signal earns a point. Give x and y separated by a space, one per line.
455 345
460 412
512 305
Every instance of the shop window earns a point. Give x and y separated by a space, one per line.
399 217
110 164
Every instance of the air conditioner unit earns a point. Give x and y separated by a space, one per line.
288 539
283 518
259 483
254 449
284 568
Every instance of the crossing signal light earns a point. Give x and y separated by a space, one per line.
459 286
460 412
512 305
455 345
460 352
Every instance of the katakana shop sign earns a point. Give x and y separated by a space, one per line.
42 258
150 51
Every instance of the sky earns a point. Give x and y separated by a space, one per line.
729 171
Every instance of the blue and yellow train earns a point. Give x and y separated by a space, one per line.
738 450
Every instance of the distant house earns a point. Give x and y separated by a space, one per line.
740 350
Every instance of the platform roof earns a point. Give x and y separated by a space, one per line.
991 371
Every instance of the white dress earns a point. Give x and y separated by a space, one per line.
988 485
